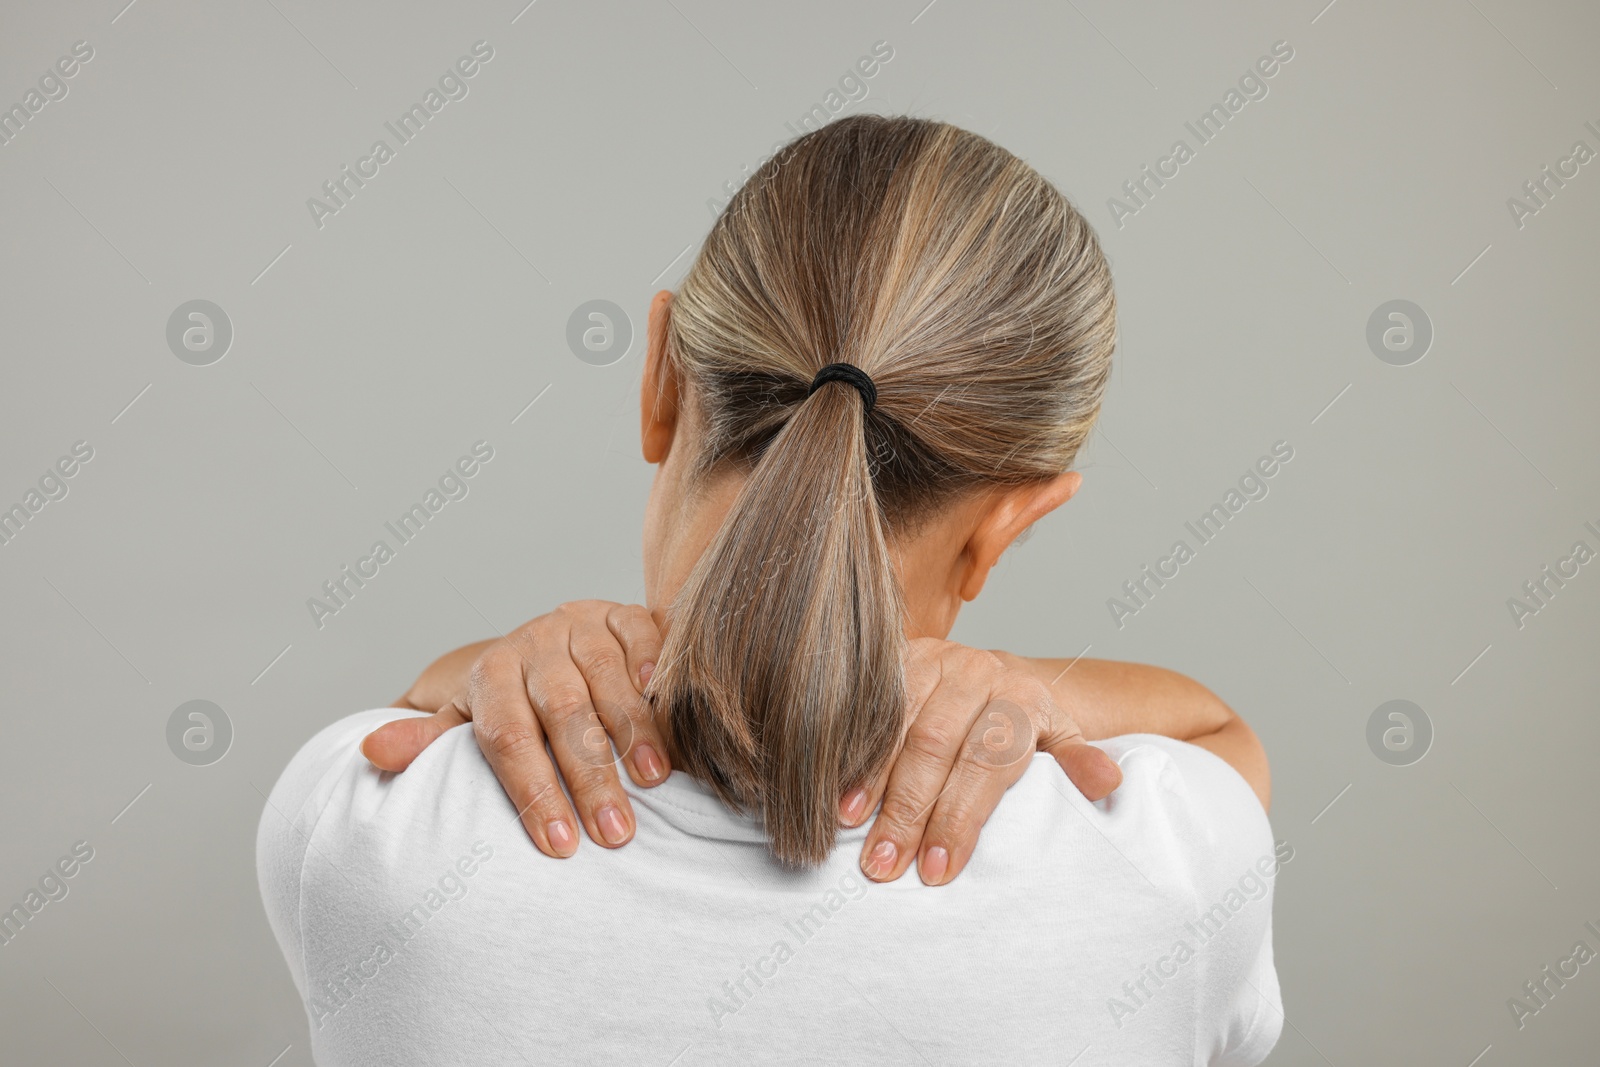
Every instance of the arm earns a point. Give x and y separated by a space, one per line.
1107 698
445 678
1104 697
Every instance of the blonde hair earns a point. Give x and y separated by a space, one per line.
977 299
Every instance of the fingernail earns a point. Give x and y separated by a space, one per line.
648 763
880 861
612 828
645 671
934 863
561 838
854 806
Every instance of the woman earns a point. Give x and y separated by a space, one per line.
873 380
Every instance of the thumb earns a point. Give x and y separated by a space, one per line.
392 746
1094 773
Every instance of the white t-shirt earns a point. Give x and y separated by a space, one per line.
421 926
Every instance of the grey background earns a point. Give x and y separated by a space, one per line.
429 313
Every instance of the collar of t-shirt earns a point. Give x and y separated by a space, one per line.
688 804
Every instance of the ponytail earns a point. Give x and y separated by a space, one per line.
781 675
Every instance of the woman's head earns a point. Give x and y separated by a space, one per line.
977 300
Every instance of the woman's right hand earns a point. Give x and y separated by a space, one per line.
974 723
575 676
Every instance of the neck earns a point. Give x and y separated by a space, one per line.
680 526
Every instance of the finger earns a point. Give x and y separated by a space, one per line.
579 739
922 675
999 750
509 734
392 746
862 799
932 744
1095 774
639 637
617 662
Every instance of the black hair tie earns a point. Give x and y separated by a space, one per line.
851 374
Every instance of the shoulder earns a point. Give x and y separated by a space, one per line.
331 795
1190 782
1166 783
1183 823
1191 808
325 767
331 752
1181 854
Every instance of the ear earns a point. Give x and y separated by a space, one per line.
658 393
1004 518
